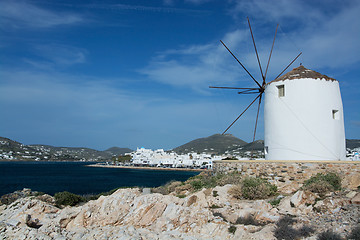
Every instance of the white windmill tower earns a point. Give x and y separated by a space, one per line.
303 116
303 113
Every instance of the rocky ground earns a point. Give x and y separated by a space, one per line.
207 214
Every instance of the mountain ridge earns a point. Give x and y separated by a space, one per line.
214 144
13 150
217 144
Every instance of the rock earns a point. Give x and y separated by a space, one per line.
329 204
130 214
351 194
355 199
33 223
146 191
302 198
351 181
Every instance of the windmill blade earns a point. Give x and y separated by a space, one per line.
257 55
233 88
289 65
272 47
249 91
242 113
240 63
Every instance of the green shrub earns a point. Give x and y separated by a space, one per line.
275 202
181 196
235 191
67 198
329 235
285 231
197 185
171 186
162 190
355 233
321 187
257 188
208 180
185 187
230 178
215 193
214 206
232 229
248 220
323 183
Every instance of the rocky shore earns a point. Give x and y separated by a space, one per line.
207 214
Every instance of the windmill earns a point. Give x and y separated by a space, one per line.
259 90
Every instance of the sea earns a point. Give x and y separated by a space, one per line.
78 178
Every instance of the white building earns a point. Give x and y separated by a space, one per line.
160 158
303 116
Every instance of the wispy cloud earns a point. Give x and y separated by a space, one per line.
143 8
56 55
41 104
356 123
22 14
327 41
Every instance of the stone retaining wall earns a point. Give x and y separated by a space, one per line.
290 174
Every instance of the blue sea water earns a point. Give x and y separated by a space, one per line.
76 177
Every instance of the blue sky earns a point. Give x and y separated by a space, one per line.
136 73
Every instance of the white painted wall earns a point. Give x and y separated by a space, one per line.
300 125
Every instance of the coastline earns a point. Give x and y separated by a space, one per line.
149 168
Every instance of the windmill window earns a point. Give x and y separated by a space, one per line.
281 90
335 114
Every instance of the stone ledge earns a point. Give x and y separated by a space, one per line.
285 161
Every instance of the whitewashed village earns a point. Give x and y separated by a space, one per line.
164 159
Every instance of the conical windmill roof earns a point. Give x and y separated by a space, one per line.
302 72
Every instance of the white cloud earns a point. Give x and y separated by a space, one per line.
328 33
197 2
326 40
59 54
74 109
21 14
198 66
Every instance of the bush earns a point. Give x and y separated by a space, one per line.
171 186
197 185
214 206
186 187
248 220
207 180
323 183
67 198
235 191
285 231
321 187
355 233
275 202
181 196
257 188
230 178
329 235
167 188
232 229
162 190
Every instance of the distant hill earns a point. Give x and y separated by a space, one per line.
352 143
12 150
217 144
258 145
118 151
